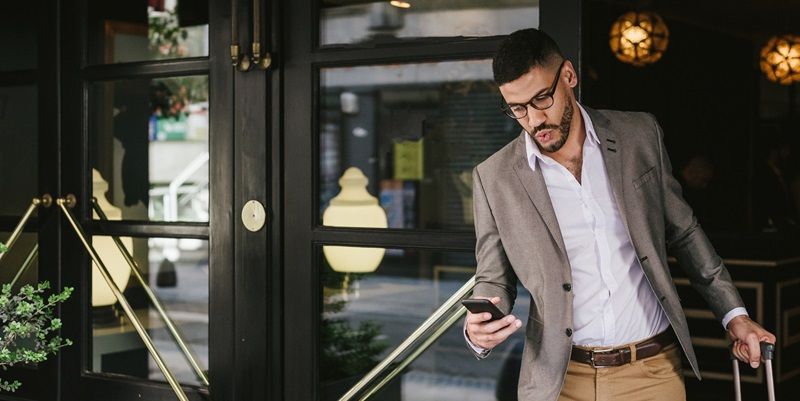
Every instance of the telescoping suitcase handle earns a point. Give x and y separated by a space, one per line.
767 355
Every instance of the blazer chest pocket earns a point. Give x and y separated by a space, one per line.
644 178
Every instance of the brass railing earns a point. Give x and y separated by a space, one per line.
154 299
46 200
66 204
413 346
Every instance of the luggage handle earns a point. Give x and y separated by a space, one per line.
767 355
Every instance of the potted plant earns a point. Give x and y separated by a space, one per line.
348 351
29 329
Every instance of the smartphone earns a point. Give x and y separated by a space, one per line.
482 305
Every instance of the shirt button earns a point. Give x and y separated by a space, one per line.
568 332
567 287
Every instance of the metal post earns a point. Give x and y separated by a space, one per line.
411 339
69 201
156 302
770 381
46 200
441 329
25 265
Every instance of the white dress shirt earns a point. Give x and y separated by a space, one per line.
613 303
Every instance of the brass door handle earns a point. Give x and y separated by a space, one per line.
259 61
244 62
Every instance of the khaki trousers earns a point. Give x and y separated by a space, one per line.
658 378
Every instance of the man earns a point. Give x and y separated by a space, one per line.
581 209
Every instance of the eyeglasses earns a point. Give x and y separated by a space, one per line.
539 102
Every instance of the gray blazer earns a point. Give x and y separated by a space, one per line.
518 238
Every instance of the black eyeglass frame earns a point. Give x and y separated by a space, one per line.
506 108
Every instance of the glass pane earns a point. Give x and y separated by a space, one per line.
18 37
177 272
19 147
374 299
415 131
149 143
346 22
124 31
20 265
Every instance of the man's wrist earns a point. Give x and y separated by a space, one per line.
733 314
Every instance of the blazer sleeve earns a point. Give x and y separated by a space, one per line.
494 276
690 245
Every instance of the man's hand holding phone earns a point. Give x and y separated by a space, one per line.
485 332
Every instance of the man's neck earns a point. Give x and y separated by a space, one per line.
572 150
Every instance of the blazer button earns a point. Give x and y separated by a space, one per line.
569 332
567 287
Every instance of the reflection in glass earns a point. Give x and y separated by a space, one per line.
346 22
19 146
18 36
20 265
177 272
416 131
149 142
365 316
125 31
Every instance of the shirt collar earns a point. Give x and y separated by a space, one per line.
533 152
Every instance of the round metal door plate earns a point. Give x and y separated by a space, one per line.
254 215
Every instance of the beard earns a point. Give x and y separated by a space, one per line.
562 128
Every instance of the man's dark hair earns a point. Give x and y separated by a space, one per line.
521 51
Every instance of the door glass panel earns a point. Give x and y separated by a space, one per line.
177 272
415 131
124 31
18 38
361 22
19 146
21 264
149 148
372 299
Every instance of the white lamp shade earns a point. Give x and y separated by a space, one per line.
354 207
109 253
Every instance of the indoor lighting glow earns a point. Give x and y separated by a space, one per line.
639 38
400 4
780 59
354 207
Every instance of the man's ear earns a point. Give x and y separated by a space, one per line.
569 72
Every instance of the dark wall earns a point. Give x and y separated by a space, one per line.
703 92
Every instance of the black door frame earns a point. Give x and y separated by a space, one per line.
44 76
303 59
74 381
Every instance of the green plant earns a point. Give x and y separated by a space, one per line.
29 330
347 350
166 35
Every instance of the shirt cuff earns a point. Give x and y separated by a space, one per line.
479 352
732 314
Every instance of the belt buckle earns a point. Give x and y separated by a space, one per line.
599 351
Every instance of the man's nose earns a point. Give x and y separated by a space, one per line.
535 117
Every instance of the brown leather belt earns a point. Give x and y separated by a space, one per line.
601 358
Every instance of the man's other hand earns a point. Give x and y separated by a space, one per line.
487 334
746 336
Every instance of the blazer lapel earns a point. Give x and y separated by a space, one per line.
613 153
533 182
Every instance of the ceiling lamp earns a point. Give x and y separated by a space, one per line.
780 59
639 38
400 4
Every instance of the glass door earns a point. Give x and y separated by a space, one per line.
147 144
392 104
